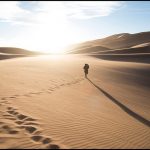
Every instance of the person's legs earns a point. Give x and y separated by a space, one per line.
86 72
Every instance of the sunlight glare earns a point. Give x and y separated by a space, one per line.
53 33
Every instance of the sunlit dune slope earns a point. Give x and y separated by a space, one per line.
119 47
90 49
117 41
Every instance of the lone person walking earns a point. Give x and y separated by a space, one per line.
86 67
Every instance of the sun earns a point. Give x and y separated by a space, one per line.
52 35
50 31
54 39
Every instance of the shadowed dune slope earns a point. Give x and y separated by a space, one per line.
138 58
145 49
3 56
13 50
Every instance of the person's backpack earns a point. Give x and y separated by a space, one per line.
87 66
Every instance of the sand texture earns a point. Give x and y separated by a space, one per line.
45 102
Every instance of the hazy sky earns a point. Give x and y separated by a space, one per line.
50 26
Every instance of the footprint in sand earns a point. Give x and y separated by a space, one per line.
12 97
7 98
53 146
29 125
13 132
1 123
17 95
46 141
36 138
7 129
19 122
21 117
29 129
10 108
12 112
68 83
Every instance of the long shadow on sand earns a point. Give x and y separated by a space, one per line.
123 107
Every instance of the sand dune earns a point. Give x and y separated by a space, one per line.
14 50
120 47
118 41
138 58
9 56
137 54
11 52
117 44
92 49
142 45
46 103
125 40
134 50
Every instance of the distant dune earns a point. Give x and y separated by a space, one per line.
142 45
124 40
90 49
133 50
12 52
8 56
137 45
136 54
117 41
139 58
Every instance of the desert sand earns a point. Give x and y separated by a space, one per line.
45 102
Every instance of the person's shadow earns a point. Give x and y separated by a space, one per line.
122 106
